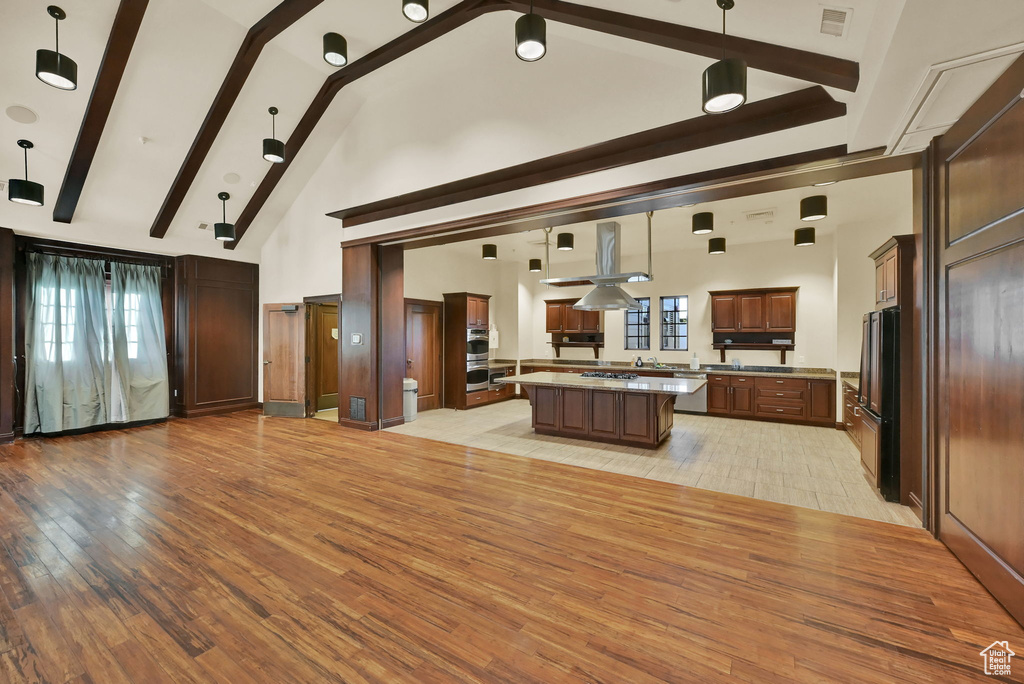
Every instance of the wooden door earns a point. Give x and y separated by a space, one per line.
572 321
639 416
574 410
482 313
591 321
891 278
323 359
880 282
553 317
751 313
977 250
472 312
724 317
718 398
781 316
423 341
546 413
821 404
284 360
742 403
604 414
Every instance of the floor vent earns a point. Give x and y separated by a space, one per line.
357 408
835 21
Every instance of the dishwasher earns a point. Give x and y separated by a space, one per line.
692 403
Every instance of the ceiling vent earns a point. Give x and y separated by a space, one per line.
835 21
204 225
759 215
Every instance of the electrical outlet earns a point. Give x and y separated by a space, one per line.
801 359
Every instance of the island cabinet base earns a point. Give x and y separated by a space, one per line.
614 417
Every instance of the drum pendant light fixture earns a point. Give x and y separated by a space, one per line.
716 246
25 191
224 231
725 81
415 10
53 68
814 208
535 266
803 237
335 49
531 37
273 149
490 252
703 223
565 242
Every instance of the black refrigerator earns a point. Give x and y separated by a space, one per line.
880 392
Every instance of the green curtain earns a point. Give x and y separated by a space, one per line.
66 344
139 387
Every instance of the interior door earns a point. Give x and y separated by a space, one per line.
423 350
978 250
284 360
751 313
325 369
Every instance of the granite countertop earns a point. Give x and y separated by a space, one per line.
649 385
853 382
762 371
501 363
801 374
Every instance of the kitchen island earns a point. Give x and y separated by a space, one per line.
632 412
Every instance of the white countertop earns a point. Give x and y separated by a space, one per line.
650 385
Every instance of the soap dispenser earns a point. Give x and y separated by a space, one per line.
694 362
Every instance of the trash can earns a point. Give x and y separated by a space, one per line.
410 390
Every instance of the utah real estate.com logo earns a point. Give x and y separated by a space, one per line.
997 658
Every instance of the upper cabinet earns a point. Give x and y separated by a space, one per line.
753 311
893 262
477 311
560 317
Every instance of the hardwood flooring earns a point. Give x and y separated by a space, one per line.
244 549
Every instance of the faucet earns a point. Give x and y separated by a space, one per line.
654 359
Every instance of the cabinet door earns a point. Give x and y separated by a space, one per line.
573 402
471 312
718 399
742 401
870 443
481 313
591 321
604 414
553 318
891 273
751 313
638 417
723 313
545 407
572 321
880 282
822 402
781 312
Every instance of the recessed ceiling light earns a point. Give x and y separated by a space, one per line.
22 115
231 178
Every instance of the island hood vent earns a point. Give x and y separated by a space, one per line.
607 296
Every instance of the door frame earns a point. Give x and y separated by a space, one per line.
440 365
311 346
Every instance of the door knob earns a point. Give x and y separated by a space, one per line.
266 362
408 362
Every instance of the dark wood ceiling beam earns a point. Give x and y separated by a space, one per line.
777 59
261 33
431 30
778 113
115 58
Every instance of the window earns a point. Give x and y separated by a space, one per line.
132 304
48 313
638 325
674 323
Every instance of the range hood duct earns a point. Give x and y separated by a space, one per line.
607 296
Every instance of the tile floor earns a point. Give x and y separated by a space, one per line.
799 465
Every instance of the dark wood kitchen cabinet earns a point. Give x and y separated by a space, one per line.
464 311
751 309
894 269
772 398
561 317
754 311
477 311
780 312
616 417
731 395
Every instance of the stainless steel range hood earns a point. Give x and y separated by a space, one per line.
607 296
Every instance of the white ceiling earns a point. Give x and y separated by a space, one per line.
186 46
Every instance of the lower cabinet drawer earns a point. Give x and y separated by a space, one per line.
775 409
476 398
771 393
782 383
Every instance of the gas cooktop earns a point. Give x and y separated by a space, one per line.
610 376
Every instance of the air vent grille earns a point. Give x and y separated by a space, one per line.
835 20
205 225
3 186
760 215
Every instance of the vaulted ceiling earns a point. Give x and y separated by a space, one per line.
590 87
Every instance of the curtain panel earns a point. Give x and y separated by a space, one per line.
139 390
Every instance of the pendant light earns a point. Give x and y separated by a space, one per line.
335 49
490 252
725 81
535 266
415 10
803 237
716 246
565 242
25 191
814 208
531 36
53 68
273 149
224 231
703 223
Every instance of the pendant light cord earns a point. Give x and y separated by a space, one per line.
26 163
723 33
224 211
56 31
273 126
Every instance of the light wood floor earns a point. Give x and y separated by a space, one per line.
243 549
801 465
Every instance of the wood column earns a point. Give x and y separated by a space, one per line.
372 337
8 394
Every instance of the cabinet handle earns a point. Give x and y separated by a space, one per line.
779 382
741 379
779 410
882 295
779 394
856 410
